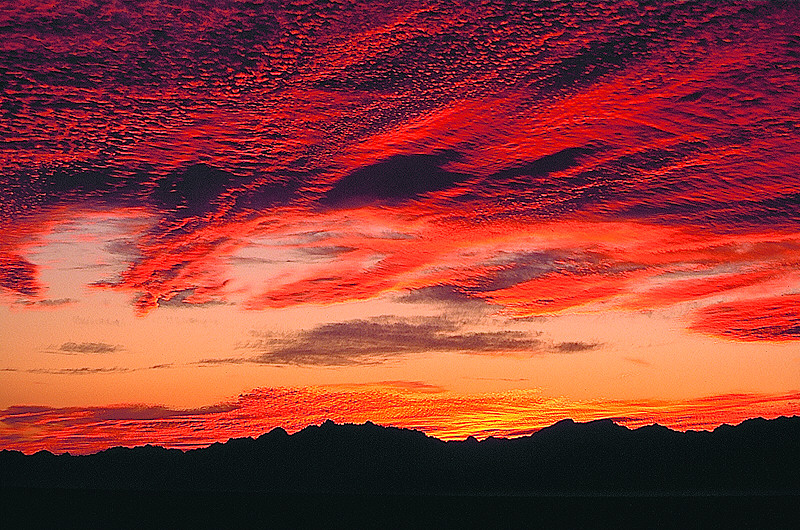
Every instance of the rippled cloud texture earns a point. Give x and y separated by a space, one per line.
343 189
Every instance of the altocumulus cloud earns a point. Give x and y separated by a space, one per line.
377 339
87 347
575 346
48 302
86 370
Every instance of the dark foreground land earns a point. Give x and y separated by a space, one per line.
93 509
570 475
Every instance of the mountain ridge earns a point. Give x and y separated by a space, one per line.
597 457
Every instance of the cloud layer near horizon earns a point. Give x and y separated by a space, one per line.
407 404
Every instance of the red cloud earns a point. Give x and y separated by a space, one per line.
612 116
775 319
554 293
693 289
19 275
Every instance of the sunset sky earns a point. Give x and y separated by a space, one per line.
472 218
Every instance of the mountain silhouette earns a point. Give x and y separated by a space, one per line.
597 458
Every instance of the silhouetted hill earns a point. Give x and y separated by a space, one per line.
759 456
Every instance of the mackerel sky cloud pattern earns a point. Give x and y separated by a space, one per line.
371 186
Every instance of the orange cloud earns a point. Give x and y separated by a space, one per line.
397 403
